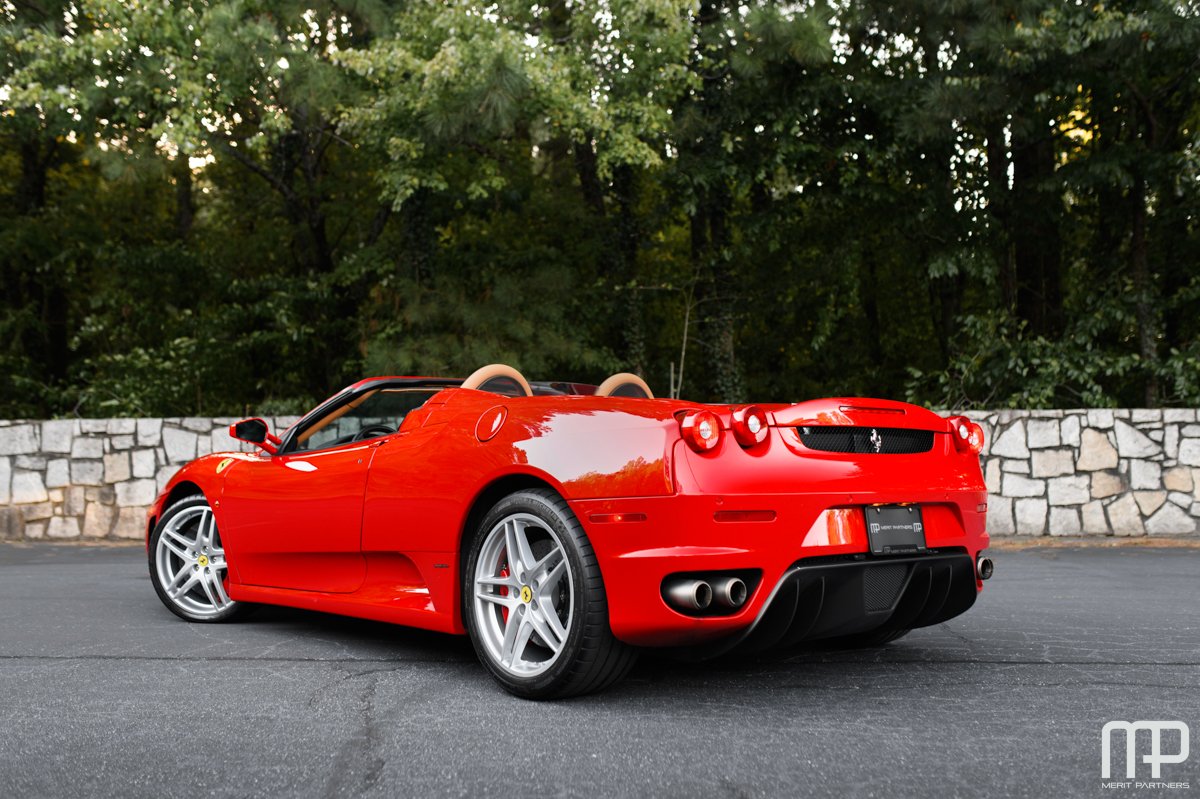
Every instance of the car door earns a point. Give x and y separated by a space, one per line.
416 495
298 519
297 516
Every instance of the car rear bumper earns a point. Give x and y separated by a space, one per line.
802 585
823 598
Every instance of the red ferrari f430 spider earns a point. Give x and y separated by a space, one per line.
563 527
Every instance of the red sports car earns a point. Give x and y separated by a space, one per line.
563 526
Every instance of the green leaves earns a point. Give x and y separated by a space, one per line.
210 204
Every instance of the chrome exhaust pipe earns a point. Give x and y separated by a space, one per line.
687 594
984 567
729 592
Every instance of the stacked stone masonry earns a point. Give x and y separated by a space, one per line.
1092 472
1066 473
95 478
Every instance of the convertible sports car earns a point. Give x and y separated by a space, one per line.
564 526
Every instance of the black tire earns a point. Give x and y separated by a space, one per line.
187 607
867 640
591 658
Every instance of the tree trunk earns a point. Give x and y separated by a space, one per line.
48 346
947 294
1036 239
55 319
35 163
1111 221
185 209
1144 294
589 177
633 324
418 235
998 208
718 295
322 249
868 283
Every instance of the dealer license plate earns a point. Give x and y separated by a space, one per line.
895 529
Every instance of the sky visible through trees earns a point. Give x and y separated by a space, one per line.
226 207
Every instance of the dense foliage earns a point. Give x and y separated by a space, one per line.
210 206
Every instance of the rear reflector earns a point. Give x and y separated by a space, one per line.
604 518
836 526
744 516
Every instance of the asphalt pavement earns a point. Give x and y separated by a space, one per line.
103 692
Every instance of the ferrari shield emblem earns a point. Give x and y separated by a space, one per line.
223 465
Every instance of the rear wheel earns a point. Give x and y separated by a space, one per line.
188 565
534 601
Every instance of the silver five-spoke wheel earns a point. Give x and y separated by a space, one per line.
523 595
534 603
189 562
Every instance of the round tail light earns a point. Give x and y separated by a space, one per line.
701 430
750 425
968 436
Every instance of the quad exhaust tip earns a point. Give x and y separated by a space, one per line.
984 567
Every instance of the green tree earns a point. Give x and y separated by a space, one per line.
210 206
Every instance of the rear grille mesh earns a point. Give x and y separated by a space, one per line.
867 440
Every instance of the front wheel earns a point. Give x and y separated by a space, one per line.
187 563
534 601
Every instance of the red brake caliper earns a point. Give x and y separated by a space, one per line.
504 592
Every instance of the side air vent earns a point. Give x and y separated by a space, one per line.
867 440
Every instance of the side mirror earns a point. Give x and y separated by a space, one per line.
254 431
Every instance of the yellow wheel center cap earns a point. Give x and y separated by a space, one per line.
526 594
202 560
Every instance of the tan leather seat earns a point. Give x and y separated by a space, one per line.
624 384
499 378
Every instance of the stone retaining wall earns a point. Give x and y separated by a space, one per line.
1092 472
1082 472
94 478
